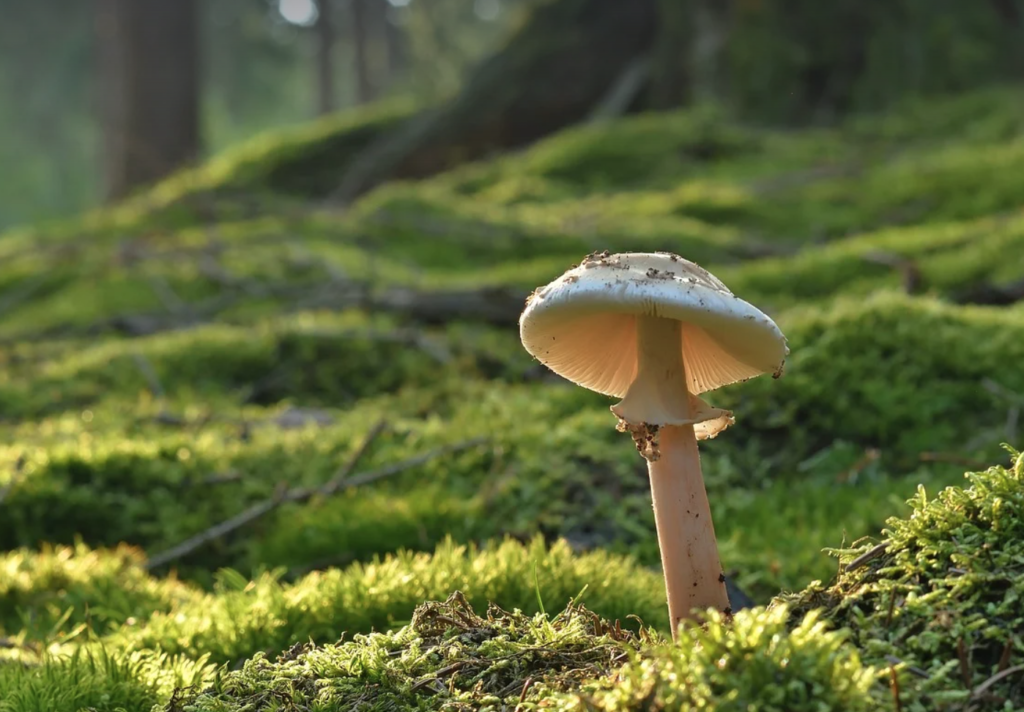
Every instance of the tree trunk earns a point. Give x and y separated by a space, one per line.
361 51
551 74
390 55
325 58
672 52
149 78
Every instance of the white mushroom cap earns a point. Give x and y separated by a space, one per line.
582 325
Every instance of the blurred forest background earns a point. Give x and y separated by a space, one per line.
228 68
180 81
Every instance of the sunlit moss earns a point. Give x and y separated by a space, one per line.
940 602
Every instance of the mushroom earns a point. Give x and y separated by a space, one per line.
657 330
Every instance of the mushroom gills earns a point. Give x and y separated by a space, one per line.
658 394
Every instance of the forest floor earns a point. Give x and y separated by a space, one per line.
237 420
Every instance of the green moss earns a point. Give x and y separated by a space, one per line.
241 618
941 603
46 594
946 260
756 660
96 681
953 564
902 375
114 468
449 657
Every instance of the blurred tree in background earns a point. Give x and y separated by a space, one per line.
149 84
261 64
549 63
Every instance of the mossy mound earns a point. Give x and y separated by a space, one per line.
97 681
933 621
906 377
46 595
451 658
900 378
939 599
756 659
240 618
837 646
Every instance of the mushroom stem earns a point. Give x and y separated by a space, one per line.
686 534
658 394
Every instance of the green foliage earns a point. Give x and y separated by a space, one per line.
97 681
903 375
44 594
448 657
941 602
797 62
240 618
163 370
756 660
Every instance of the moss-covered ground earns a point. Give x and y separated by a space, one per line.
230 346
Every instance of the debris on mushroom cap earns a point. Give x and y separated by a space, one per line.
582 324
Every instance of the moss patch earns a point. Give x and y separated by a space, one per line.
448 658
940 602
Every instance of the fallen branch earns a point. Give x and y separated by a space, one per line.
338 483
623 92
953 459
911 275
983 687
496 306
258 510
996 295
23 292
872 553
19 466
149 373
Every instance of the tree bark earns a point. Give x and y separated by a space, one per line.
149 78
325 58
393 59
361 51
673 48
551 74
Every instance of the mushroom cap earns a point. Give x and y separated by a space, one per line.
583 325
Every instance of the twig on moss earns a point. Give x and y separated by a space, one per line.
909 271
454 667
1004 659
965 664
983 687
918 672
491 305
872 553
522 695
19 466
894 687
24 291
167 296
986 293
339 483
149 373
281 495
